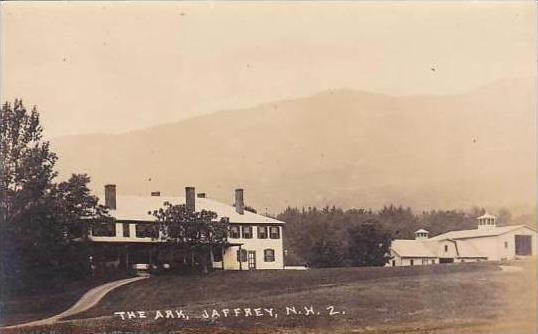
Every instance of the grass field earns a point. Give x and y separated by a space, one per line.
463 298
41 304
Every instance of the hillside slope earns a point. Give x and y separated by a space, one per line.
341 147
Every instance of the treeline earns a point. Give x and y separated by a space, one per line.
332 237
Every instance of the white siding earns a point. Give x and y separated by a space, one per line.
257 245
450 249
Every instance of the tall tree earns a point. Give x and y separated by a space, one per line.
38 218
27 164
200 232
369 244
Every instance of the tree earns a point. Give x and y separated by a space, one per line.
39 218
27 164
200 232
369 244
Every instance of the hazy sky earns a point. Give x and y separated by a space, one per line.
98 67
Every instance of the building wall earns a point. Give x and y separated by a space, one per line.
462 260
509 252
406 261
449 251
416 261
257 245
494 247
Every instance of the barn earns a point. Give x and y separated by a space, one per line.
488 242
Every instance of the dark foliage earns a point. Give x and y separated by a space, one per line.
332 237
43 224
192 235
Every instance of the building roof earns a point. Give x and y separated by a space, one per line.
476 233
431 248
136 208
466 249
413 248
487 216
422 231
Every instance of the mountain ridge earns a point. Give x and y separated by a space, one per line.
338 147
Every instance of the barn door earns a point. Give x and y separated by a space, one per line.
523 245
251 260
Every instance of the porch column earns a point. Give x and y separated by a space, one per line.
239 259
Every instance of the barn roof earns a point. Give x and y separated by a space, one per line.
413 248
466 249
478 233
432 248
136 208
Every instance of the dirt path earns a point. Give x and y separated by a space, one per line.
87 301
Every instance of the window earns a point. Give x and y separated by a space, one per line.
424 261
269 255
241 255
104 230
393 263
247 232
506 244
146 231
412 262
262 232
126 232
433 261
274 232
446 248
234 232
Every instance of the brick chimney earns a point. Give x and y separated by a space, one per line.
110 196
239 203
201 195
156 193
190 199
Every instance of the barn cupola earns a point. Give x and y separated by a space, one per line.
421 234
487 221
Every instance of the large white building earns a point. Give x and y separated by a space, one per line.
487 242
254 241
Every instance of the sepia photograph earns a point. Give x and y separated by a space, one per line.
293 167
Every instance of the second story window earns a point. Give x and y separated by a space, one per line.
126 232
104 230
147 231
234 232
274 232
247 232
262 232
446 248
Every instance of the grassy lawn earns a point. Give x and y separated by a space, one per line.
464 298
17 309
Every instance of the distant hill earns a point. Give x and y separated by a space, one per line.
342 147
